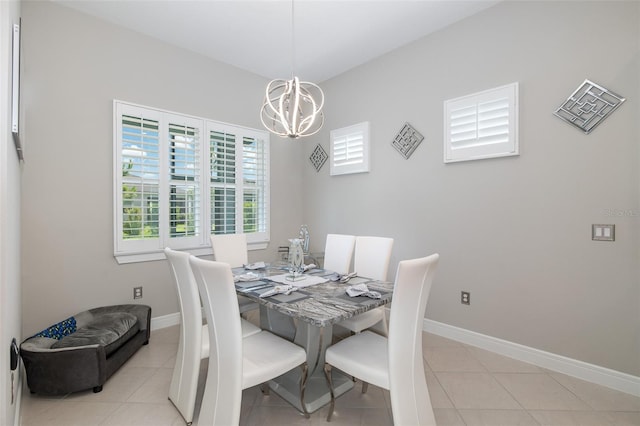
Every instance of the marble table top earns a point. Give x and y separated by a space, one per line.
321 304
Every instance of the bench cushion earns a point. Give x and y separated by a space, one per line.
110 330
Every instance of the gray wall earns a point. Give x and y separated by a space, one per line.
10 305
74 66
515 232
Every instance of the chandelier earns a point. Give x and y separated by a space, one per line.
292 108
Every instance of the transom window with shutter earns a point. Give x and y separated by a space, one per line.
482 125
181 178
349 150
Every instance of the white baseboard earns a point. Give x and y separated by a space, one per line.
592 373
165 321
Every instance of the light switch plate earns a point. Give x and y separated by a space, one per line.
603 232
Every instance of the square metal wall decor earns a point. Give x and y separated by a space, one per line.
318 157
407 140
588 106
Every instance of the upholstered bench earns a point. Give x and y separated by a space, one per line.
83 351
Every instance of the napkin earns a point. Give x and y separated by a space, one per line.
362 290
342 278
279 289
256 265
249 276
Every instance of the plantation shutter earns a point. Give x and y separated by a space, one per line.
350 149
180 178
184 138
137 212
222 154
482 125
254 185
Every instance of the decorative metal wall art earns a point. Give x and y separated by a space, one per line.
318 157
588 106
407 140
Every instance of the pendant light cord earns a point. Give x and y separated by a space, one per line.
293 44
292 108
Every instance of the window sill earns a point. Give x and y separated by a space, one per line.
124 258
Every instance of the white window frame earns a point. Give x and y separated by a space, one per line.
464 142
352 142
147 249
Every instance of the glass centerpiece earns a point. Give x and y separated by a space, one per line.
304 236
296 260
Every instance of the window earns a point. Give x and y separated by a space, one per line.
350 149
181 178
482 125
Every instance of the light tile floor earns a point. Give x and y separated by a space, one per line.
467 385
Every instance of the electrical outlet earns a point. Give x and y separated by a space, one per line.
137 292
603 232
465 298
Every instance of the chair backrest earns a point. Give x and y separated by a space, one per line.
230 248
223 389
338 252
408 388
190 346
372 255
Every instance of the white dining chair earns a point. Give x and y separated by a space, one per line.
194 336
371 260
232 249
338 252
394 363
236 363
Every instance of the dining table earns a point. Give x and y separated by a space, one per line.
306 315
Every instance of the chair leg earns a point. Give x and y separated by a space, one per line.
327 374
303 385
385 324
365 386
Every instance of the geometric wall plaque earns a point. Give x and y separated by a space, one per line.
407 140
588 106
318 157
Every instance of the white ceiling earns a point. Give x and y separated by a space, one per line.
331 37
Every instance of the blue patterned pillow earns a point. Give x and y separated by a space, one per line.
59 330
